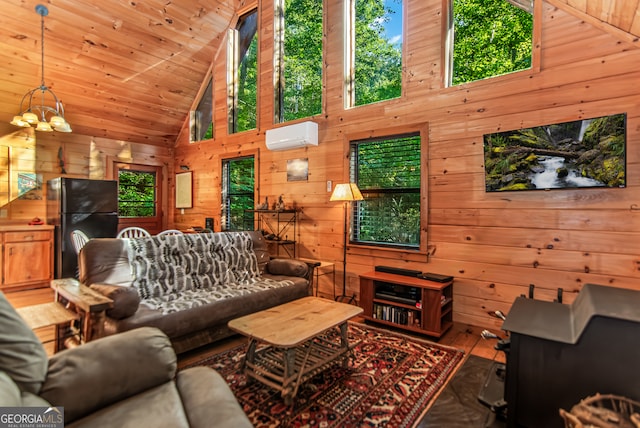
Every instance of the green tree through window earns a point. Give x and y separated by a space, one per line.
243 74
377 51
238 182
491 37
136 193
387 171
299 66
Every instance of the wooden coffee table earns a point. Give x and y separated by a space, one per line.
296 347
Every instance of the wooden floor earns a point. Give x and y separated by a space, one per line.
464 337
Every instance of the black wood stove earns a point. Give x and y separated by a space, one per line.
559 354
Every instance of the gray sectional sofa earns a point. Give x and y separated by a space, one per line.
189 286
126 380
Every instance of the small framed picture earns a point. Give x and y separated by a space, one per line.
298 169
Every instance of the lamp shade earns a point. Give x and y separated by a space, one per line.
346 192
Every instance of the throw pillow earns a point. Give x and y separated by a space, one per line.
287 267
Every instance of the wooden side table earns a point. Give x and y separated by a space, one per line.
321 268
47 315
89 304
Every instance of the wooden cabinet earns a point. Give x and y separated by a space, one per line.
406 302
27 256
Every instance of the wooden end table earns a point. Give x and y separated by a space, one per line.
47 315
296 347
90 304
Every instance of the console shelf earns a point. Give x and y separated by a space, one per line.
406 302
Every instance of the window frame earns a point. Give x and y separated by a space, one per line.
448 47
224 184
350 97
205 99
233 64
279 64
371 250
152 223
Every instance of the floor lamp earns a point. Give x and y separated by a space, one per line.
345 192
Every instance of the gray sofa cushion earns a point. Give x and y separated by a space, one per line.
9 392
83 383
22 356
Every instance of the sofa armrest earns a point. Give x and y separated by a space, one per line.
108 370
288 267
125 299
208 400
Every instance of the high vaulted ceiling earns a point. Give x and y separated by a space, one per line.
124 69
130 69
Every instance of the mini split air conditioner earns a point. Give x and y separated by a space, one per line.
292 136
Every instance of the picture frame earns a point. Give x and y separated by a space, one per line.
298 169
184 189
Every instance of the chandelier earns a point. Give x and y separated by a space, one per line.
37 113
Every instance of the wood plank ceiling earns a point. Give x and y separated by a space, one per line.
130 69
124 69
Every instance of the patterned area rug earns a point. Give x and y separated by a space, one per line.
390 382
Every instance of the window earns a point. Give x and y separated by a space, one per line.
298 65
374 69
387 171
242 74
201 122
490 38
238 181
136 193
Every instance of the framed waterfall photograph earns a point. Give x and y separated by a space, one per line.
580 154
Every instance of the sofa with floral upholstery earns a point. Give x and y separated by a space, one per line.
189 286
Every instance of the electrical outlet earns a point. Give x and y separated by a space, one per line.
329 184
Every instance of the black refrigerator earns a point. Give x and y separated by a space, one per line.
77 203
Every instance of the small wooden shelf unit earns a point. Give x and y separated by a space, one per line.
430 312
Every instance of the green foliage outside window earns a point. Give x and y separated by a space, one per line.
237 192
378 58
244 106
491 37
136 193
387 172
301 86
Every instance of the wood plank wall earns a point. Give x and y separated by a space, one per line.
81 156
496 245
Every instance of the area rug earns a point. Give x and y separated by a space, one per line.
390 382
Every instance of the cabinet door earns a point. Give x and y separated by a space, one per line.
27 262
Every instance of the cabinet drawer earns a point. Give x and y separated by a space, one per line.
27 235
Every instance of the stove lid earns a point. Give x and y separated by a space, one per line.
566 323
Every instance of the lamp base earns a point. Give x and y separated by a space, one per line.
349 299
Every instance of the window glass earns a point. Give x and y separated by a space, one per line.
299 59
490 38
238 182
136 193
387 172
376 72
202 117
243 74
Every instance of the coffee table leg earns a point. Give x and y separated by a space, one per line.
250 355
289 368
344 342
